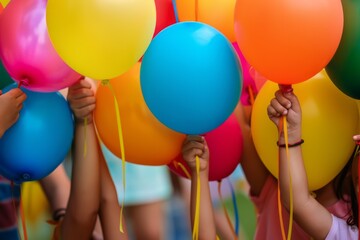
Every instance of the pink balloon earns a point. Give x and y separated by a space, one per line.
248 80
26 50
225 146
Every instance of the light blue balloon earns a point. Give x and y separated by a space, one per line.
191 77
39 141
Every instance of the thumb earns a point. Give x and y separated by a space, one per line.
295 104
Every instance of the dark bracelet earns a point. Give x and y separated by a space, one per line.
290 145
58 214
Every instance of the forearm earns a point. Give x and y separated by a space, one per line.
57 188
109 206
206 220
85 187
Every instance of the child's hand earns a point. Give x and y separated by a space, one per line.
10 106
356 138
81 97
193 146
286 104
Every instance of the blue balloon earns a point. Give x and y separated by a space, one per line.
191 77
41 138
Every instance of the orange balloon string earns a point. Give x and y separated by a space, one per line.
251 95
226 212
22 214
282 228
291 218
196 10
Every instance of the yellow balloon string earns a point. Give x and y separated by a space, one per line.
290 179
282 228
85 134
183 168
226 212
195 234
22 214
122 148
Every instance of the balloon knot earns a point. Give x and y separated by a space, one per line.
105 82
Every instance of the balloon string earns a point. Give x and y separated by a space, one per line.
196 10
175 11
282 228
291 218
122 148
195 235
233 197
183 168
251 95
226 212
22 214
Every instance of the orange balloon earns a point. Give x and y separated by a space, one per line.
218 14
288 41
146 140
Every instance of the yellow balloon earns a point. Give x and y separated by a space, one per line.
218 14
4 2
101 39
330 119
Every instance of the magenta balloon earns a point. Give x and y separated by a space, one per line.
248 81
225 146
26 50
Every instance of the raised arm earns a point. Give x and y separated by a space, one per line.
196 146
57 190
84 198
254 170
308 213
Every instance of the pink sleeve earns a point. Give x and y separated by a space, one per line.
341 231
269 187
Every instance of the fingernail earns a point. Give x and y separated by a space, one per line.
285 112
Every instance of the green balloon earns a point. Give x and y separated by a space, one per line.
344 68
5 79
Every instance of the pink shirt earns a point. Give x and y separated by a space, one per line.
268 217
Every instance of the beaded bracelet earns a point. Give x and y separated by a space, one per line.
290 145
58 214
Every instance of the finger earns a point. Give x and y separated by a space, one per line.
80 93
191 154
295 105
272 112
83 102
286 103
191 145
85 111
356 138
20 99
15 92
278 107
192 138
80 84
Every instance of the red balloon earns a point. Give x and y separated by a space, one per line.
26 50
165 15
225 146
